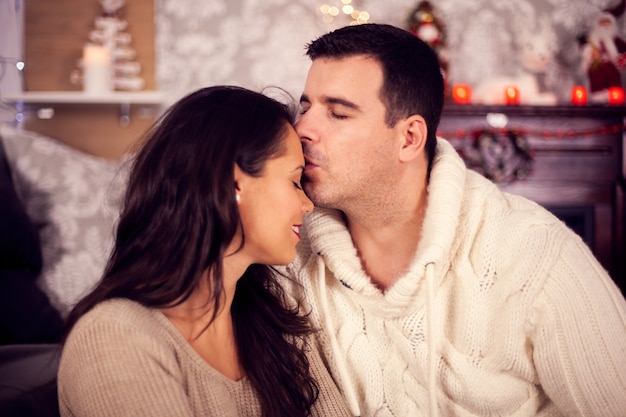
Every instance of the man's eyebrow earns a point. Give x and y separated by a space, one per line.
342 102
332 100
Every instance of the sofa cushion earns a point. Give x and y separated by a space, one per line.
19 242
26 315
28 375
72 198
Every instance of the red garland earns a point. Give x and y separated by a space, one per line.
545 134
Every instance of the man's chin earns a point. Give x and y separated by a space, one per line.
310 189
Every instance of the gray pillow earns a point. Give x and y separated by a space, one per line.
73 200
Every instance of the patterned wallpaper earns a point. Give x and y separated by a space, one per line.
257 43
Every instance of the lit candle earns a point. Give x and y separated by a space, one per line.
616 96
511 95
462 94
579 95
97 77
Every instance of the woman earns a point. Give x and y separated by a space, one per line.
188 319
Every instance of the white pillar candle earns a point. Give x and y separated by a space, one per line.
97 76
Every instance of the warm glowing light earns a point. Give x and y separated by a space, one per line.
616 96
511 95
329 13
462 94
579 95
97 74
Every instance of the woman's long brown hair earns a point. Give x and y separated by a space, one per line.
180 214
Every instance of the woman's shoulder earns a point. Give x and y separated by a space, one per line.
120 311
120 358
119 318
117 331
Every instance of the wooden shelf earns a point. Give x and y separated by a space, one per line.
46 101
80 97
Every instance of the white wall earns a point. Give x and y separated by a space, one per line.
11 46
255 43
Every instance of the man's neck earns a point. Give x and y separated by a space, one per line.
386 244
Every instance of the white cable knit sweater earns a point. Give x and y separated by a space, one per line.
524 320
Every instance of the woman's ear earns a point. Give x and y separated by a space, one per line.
413 132
239 178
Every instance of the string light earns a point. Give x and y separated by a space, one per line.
343 9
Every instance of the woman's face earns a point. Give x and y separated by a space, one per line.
272 205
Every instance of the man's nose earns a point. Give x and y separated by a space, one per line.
305 127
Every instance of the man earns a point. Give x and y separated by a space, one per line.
435 292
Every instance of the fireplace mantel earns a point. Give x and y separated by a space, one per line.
569 159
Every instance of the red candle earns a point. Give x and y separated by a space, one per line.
616 96
511 95
462 94
579 95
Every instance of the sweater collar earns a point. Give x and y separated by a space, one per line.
331 240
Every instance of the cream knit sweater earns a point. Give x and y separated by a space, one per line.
521 320
123 359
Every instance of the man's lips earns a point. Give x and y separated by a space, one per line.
309 164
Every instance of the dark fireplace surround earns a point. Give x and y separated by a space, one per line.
570 159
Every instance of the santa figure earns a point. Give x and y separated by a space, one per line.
603 50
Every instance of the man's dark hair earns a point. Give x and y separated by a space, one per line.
412 78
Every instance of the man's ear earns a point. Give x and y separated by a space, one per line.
413 132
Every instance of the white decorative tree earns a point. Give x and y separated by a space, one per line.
109 33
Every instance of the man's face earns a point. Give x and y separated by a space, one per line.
346 142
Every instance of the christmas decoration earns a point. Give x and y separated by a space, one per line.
603 53
504 155
500 156
536 51
120 72
424 23
459 134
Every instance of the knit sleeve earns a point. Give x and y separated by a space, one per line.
111 368
579 336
